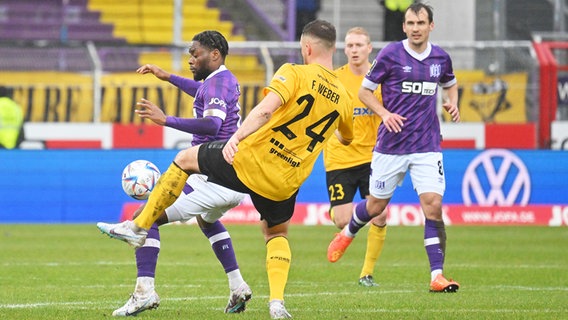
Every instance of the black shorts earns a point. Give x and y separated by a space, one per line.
213 165
342 184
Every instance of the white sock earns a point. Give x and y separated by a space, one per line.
347 232
235 279
144 286
434 274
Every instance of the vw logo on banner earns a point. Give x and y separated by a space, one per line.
496 177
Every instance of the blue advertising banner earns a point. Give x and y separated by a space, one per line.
488 177
77 186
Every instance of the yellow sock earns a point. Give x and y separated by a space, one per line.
165 193
375 242
278 258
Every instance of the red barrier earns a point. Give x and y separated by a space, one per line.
137 136
510 136
73 144
458 144
548 99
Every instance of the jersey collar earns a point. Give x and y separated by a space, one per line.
416 55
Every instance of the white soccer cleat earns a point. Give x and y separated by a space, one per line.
238 299
137 304
126 231
278 311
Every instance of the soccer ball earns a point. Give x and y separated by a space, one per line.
139 178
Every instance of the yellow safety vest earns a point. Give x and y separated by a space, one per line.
11 120
398 5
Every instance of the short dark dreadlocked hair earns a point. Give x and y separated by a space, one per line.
211 40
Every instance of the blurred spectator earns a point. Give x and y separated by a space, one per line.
394 16
306 11
11 121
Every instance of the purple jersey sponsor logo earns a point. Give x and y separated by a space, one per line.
217 101
423 88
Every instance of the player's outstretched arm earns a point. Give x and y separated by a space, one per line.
155 70
184 84
203 126
148 110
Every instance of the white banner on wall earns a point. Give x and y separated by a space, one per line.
559 135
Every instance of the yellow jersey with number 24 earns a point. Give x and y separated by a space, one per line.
276 159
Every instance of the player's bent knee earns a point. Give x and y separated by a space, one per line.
187 159
376 207
341 220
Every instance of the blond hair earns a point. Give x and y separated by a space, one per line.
360 31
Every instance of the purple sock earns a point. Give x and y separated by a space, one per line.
147 255
222 245
360 217
435 243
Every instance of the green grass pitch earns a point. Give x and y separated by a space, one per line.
74 272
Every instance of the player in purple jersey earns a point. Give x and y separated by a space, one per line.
216 109
409 73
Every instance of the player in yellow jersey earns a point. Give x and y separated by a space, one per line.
347 168
270 155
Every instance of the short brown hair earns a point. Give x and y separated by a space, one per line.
322 30
417 6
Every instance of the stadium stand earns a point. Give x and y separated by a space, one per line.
45 59
51 20
58 28
112 24
81 42
152 21
362 13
